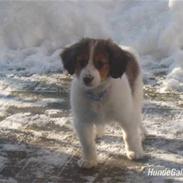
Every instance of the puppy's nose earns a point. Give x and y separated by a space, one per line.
88 79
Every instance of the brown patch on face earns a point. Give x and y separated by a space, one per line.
81 62
101 60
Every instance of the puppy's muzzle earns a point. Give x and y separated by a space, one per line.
88 79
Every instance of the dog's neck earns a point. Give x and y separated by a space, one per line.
98 94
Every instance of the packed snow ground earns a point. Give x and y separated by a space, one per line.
37 143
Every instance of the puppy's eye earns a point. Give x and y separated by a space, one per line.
82 63
99 64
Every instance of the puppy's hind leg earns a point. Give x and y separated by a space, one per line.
143 132
99 130
86 136
133 142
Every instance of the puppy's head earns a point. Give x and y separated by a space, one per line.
93 61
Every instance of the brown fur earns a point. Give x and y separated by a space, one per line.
81 62
132 71
101 60
70 54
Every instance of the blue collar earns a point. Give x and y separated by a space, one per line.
97 96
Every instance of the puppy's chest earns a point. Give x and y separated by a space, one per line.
101 110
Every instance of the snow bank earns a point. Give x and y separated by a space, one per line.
174 79
32 34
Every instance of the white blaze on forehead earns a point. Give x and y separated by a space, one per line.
92 47
90 69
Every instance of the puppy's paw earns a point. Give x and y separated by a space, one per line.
132 155
143 134
99 131
87 164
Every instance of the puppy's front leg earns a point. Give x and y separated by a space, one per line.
86 136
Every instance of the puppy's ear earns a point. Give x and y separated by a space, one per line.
68 57
118 59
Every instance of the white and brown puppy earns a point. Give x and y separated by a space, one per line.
107 87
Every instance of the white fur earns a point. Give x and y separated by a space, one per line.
90 70
119 105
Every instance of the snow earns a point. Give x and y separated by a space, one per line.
34 33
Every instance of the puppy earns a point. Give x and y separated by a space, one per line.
107 87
